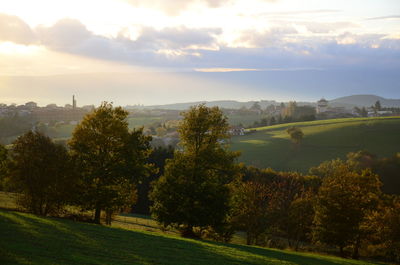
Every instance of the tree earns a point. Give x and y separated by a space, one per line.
194 190
161 131
384 227
3 165
111 159
42 172
361 112
377 106
256 107
300 217
274 203
158 157
296 134
250 212
345 199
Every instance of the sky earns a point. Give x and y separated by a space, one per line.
166 51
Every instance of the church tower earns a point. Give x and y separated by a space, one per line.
73 102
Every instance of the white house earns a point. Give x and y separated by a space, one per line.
322 106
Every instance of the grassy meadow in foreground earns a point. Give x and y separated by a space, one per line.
28 239
323 140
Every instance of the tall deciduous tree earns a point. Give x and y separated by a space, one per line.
111 159
251 203
345 200
377 106
194 190
41 171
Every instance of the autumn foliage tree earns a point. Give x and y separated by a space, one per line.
384 228
3 165
41 171
269 203
250 210
111 159
296 134
194 190
345 200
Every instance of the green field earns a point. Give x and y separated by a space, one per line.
28 239
323 140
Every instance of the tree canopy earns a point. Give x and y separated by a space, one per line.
41 172
194 190
110 157
345 200
296 134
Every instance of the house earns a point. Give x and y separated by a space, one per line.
237 130
322 106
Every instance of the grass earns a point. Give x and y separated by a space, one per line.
28 239
323 140
135 122
8 200
244 119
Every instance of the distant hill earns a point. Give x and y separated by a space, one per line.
364 101
228 104
348 102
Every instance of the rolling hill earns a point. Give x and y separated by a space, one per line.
323 140
29 239
364 101
348 102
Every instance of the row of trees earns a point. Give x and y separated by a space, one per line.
99 171
202 190
340 203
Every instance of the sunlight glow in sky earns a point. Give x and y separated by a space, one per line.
47 37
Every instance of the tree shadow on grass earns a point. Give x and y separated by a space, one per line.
291 257
27 239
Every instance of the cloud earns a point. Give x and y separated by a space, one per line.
225 70
66 34
300 12
384 17
175 38
199 48
273 37
175 7
317 27
13 29
151 47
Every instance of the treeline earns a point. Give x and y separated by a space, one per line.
200 189
97 170
14 125
288 113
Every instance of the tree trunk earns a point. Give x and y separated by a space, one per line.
188 232
108 217
97 214
249 238
356 254
297 245
341 251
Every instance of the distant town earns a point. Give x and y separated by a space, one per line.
162 121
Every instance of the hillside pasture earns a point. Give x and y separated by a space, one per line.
323 140
29 239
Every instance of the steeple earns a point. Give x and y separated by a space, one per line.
73 102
